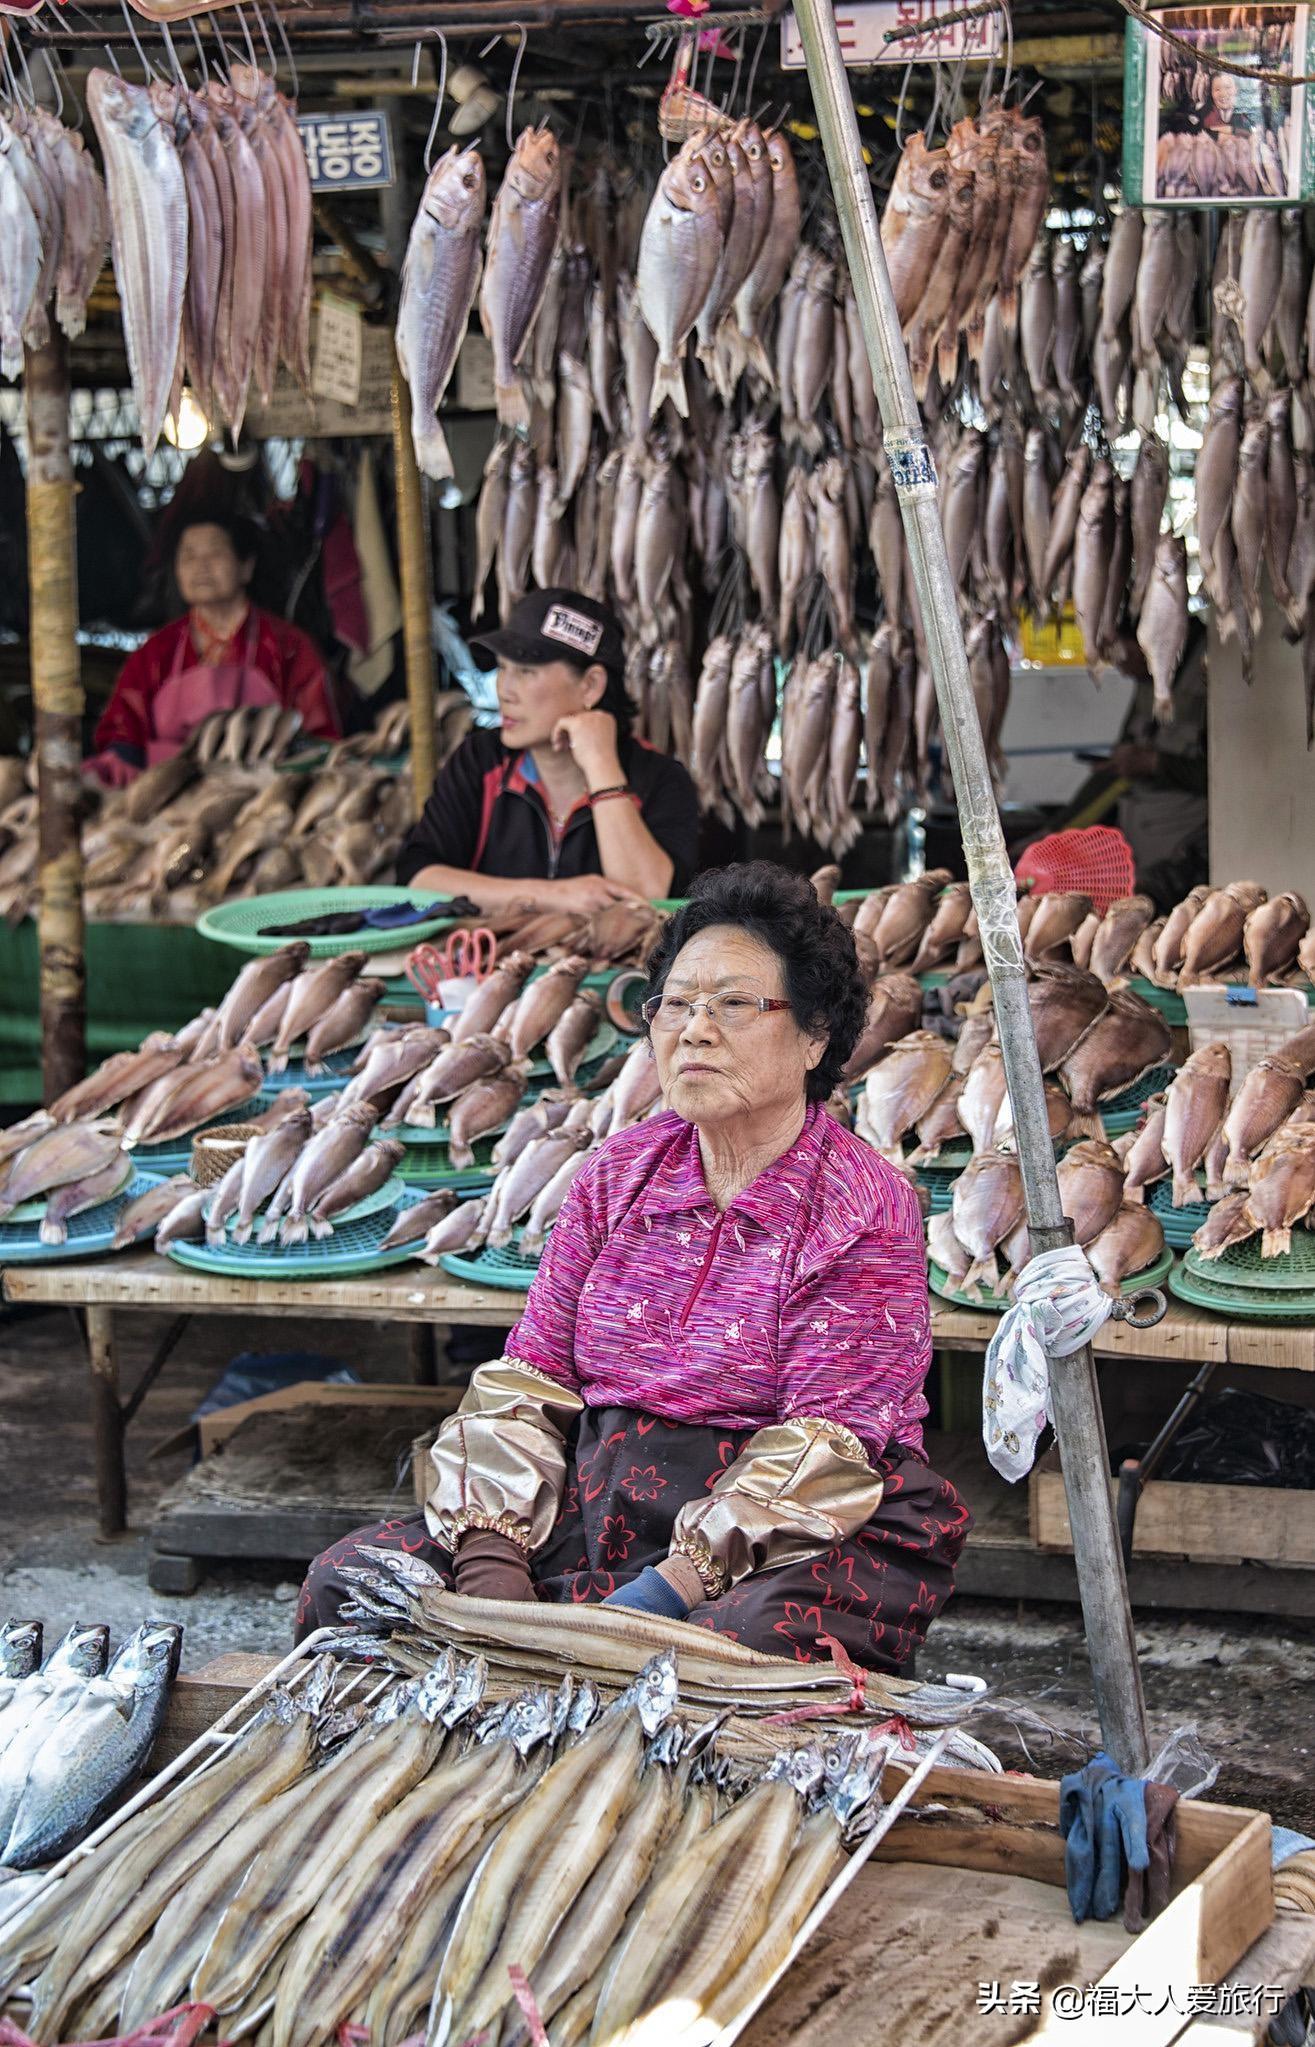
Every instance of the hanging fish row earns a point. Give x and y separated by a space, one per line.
210 226
53 231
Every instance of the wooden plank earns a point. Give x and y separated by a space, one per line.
1212 1523
200 1697
141 1280
1285 1346
1018 1571
1283 1960
1186 1336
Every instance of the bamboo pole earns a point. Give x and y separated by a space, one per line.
58 706
1075 1400
413 565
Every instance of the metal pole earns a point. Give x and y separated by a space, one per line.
58 705
1079 1424
413 565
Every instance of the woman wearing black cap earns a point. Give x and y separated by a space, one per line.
560 806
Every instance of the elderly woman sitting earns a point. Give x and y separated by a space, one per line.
711 1406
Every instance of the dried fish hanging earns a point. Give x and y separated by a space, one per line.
54 225
210 228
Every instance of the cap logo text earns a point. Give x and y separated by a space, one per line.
583 635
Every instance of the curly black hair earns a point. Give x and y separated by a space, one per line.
826 990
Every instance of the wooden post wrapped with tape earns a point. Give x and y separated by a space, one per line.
58 705
413 567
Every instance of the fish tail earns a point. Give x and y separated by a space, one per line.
294 1229
669 382
1276 1243
496 1239
755 358
531 1243
982 1272
432 453
278 1061
513 406
460 1154
1085 1123
1135 1194
53 1233
1185 1190
241 1232
315 1067
320 1229
269 1231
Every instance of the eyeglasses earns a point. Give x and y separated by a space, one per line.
727 1012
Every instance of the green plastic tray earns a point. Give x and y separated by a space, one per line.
353 1247
507 1268
93 1230
428 1166
939 1184
1123 1111
991 1303
1180 1225
1242 1269
1240 1303
239 923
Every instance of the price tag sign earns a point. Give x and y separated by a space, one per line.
862 25
347 153
1252 1022
339 349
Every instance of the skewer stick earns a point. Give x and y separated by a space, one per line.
58 705
1075 1401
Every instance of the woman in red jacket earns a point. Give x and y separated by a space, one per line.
223 652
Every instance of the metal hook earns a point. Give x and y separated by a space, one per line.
56 85
128 23
22 58
295 93
753 68
521 31
179 73
200 52
442 89
219 38
246 37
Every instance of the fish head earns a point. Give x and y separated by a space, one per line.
455 192
153 1653
780 156
711 146
754 145
82 1652
535 170
688 186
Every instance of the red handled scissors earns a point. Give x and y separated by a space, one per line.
464 955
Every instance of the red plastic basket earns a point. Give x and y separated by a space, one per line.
1096 861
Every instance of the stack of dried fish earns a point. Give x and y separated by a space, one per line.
284 999
210 225
70 1166
621 935
74 1733
54 224
1205 936
384 1862
218 821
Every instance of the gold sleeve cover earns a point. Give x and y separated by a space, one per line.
797 1488
500 1460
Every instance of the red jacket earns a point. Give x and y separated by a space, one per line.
282 653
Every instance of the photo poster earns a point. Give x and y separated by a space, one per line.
1196 136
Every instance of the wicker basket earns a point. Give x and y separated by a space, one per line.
214 1151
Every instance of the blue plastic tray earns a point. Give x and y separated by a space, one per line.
353 1247
93 1230
1179 1224
294 1074
507 1268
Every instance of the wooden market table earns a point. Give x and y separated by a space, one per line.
1002 1558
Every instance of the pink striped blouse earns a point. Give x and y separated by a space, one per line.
807 1296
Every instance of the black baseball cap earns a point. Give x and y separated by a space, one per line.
556 625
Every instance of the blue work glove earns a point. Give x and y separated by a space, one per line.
1077 1823
650 1593
1120 1804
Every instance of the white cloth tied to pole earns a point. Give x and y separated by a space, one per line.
1059 1304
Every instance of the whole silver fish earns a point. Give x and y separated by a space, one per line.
263 1166
523 229
328 1154
39 1703
440 278
1150 491
1092 545
678 255
70 1152
148 230
1162 626
96 1749
364 1176
1249 514
490 514
415 1222
20 251
78 1195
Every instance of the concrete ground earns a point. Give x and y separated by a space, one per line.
1246 1684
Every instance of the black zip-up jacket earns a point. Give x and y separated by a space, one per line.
487 816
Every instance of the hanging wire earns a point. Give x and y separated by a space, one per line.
179 73
56 86
753 68
147 66
442 89
901 103
491 44
246 37
22 58
200 52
